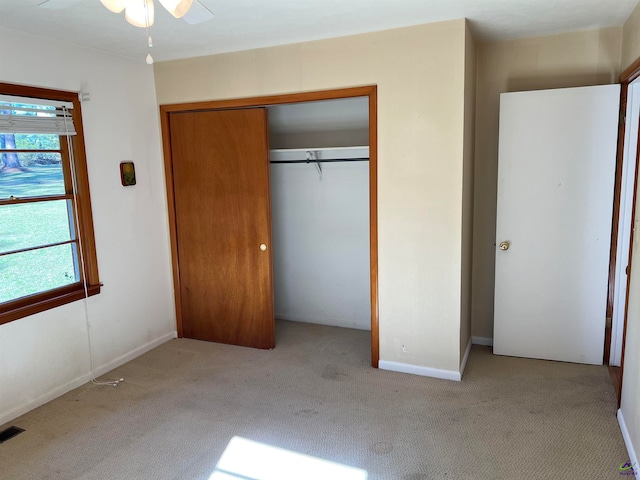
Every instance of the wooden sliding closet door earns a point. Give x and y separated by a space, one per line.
222 203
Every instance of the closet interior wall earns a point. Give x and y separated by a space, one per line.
320 219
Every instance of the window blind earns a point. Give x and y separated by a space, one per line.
35 116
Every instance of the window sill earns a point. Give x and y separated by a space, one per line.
33 304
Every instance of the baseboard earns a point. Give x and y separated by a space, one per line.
322 321
44 398
633 457
417 370
81 380
485 341
127 357
465 358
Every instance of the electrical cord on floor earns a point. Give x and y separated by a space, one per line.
74 184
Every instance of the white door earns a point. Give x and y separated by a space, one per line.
627 195
555 200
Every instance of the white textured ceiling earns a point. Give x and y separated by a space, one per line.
246 24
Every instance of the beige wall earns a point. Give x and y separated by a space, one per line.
420 76
631 380
567 60
467 197
631 38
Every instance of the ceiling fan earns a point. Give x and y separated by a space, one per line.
141 12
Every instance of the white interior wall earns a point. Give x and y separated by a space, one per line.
631 38
320 230
326 123
45 355
321 225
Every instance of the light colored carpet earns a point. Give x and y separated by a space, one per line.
315 394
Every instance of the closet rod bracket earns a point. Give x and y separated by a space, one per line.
313 156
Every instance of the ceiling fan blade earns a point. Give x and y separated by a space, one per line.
58 4
198 13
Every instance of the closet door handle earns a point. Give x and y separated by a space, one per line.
263 247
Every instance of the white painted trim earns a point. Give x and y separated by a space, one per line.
486 341
633 457
417 370
127 357
45 398
81 380
465 358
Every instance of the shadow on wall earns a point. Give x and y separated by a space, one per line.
554 81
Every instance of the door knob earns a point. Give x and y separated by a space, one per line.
263 247
504 245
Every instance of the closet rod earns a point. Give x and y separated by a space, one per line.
328 160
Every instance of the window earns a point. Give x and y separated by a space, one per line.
47 249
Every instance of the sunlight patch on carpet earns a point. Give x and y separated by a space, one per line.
248 460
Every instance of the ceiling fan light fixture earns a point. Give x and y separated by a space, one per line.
139 13
177 8
116 6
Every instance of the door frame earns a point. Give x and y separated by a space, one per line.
370 91
625 79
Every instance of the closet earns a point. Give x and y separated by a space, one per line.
273 214
320 212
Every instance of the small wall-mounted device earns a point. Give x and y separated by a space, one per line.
127 174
